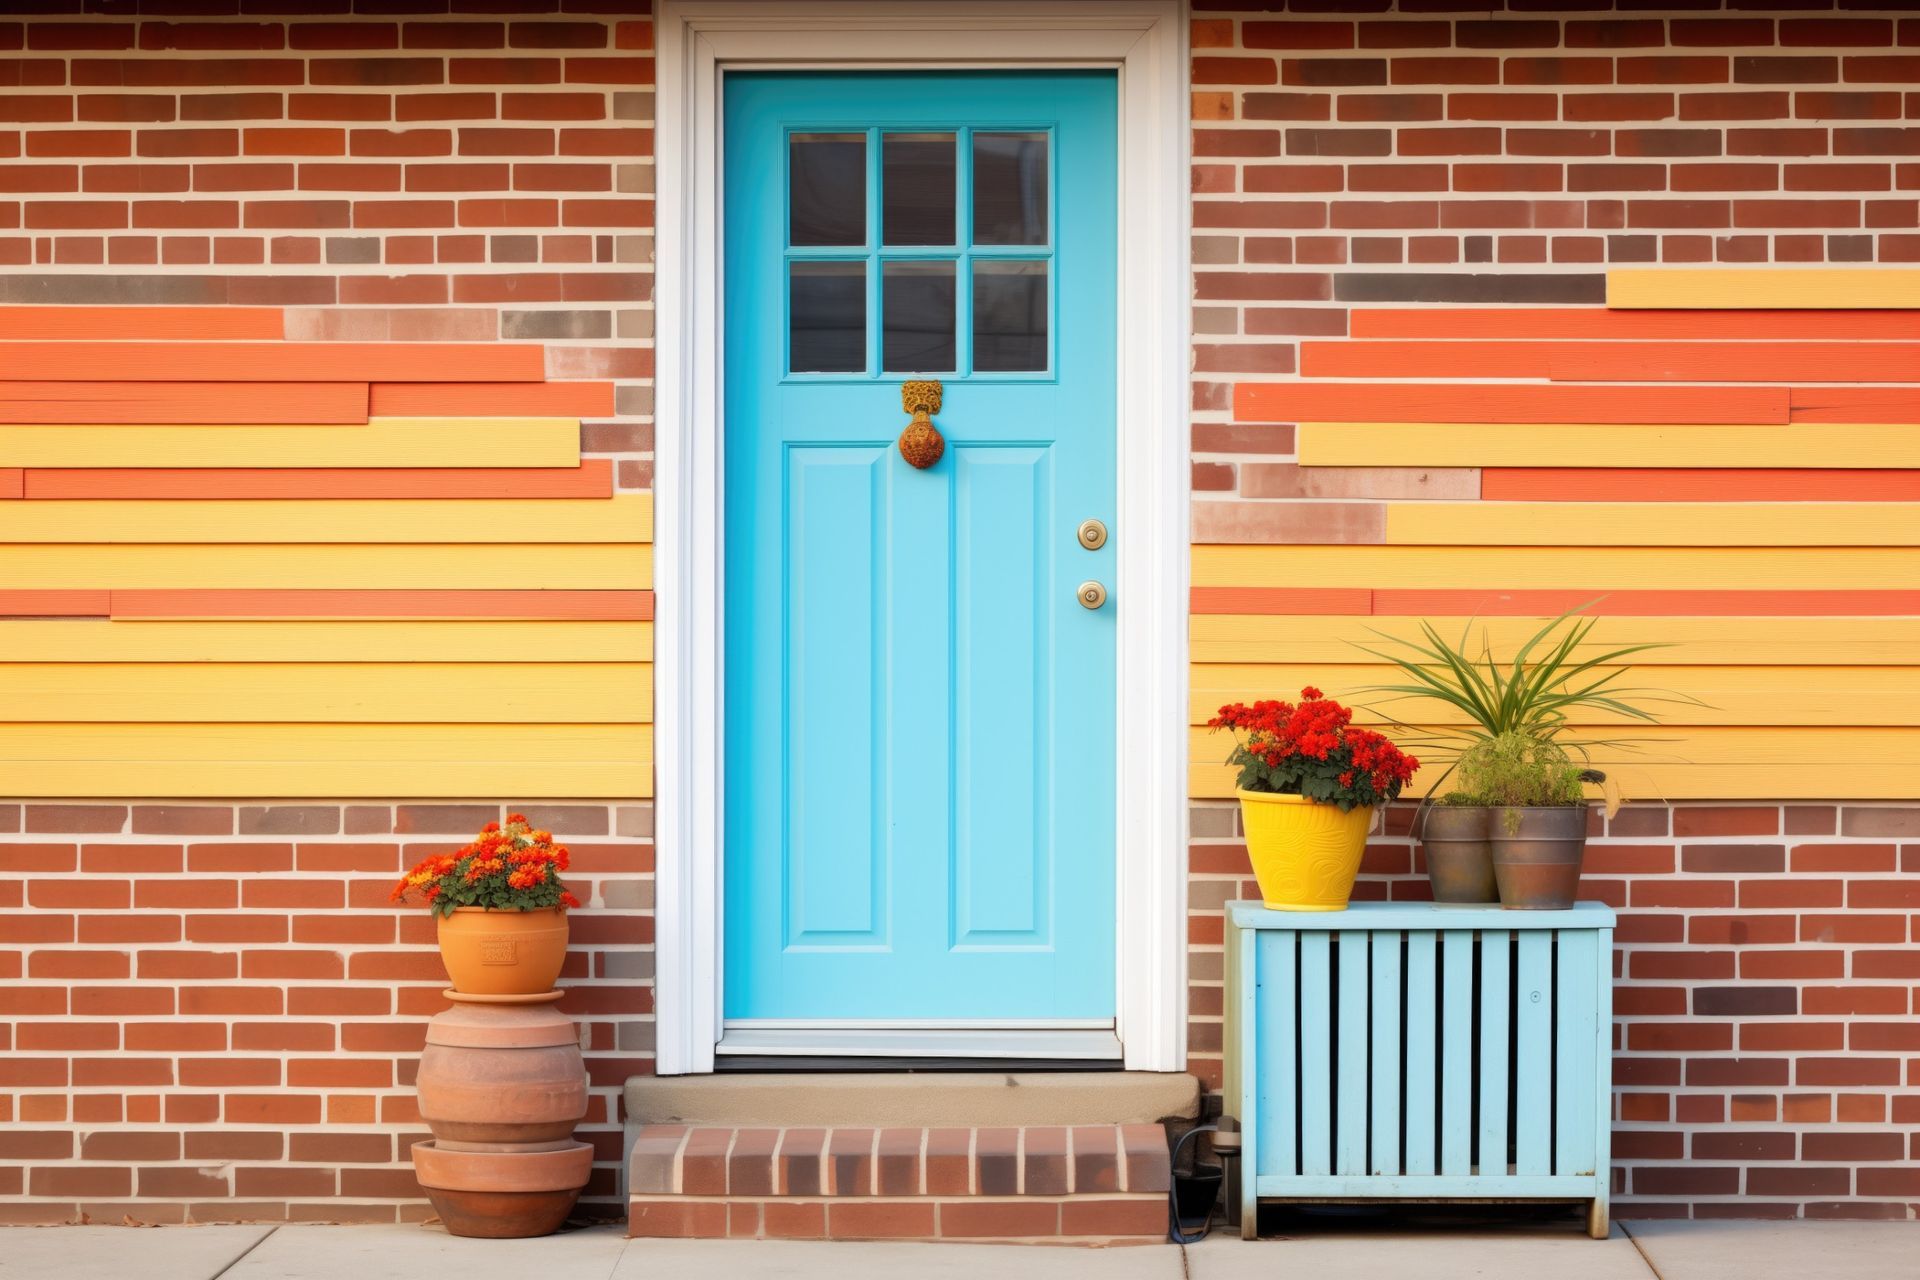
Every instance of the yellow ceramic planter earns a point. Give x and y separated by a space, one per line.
1305 854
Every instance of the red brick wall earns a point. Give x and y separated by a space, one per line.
1344 155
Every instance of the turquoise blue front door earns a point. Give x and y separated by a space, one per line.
919 760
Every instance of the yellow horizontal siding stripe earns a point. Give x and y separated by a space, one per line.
1654 524
604 566
1770 783
531 761
1763 287
1692 641
383 442
1468 444
1887 696
1588 569
626 518
425 692
102 640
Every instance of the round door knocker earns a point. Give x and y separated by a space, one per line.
921 444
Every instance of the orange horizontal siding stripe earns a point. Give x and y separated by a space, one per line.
1736 362
1419 602
1282 600
592 479
56 323
1598 322
1686 484
12 482
272 361
519 399
602 606
1439 402
54 604
1854 404
156 403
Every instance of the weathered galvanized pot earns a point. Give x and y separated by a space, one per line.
502 1073
1537 854
503 1195
1459 854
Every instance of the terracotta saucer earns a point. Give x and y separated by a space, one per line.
462 997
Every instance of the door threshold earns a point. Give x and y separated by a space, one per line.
1022 1044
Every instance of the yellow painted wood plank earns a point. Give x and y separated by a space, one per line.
1887 696
1692 641
1811 781
383 442
529 761
602 566
1789 288
1598 570
329 693
1653 524
623 518
1469 444
451 640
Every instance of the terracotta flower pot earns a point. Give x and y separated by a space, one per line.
1305 854
503 953
1459 853
501 1073
1537 854
503 1195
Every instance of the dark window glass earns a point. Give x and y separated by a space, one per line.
1009 188
828 200
827 309
916 312
916 188
1009 317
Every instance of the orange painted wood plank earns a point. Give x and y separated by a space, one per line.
1437 602
1685 484
602 606
1440 402
1282 600
1736 362
519 399
272 361
1477 358
1598 322
58 323
1854 404
198 403
12 482
593 478
54 604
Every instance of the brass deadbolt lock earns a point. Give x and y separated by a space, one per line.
1092 534
1090 594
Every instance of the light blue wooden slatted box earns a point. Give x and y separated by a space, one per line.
1420 1052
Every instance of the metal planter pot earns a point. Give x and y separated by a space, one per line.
1459 854
1537 854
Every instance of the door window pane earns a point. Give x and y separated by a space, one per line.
827 312
1009 188
827 199
916 188
916 311
1009 317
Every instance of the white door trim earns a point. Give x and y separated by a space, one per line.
1146 41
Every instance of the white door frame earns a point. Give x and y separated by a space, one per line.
1145 40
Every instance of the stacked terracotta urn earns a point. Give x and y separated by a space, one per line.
502 1085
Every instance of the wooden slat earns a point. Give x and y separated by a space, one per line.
593 604
1352 1069
1686 484
1330 600
604 567
1853 404
216 362
53 603
1678 602
1597 570
1735 362
1388 1083
1467 444
1316 1053
1577 1036
183 402
1277 971
1445 403
1692 641
1652 524
628 518
426 399
1441 358
1423 1039
1495 966
1766 288
382 442
12 482
529 760
58 323
1533 1055
1456 1051
593 478
1598 322
275 640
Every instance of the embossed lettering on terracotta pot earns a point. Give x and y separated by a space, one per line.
501 908
1309 784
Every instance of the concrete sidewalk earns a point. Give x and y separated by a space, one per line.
1356 1250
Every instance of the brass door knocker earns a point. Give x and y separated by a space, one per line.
921 443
